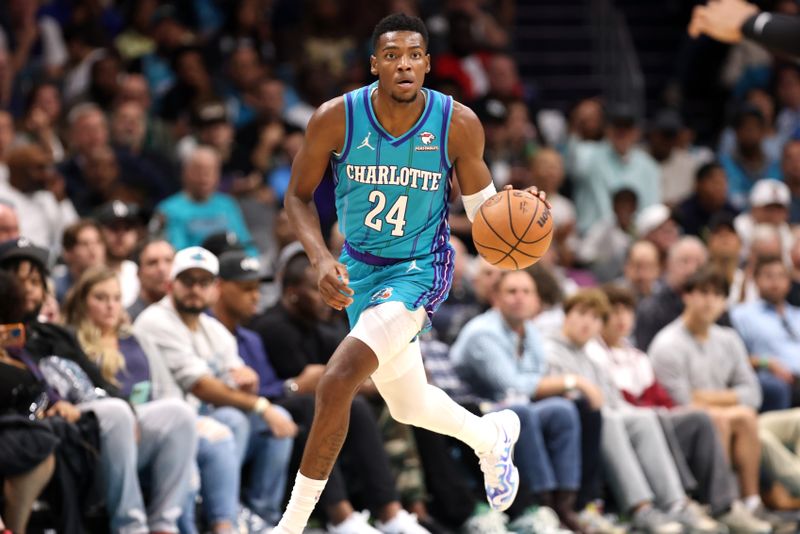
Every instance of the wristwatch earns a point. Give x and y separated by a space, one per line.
570 383
290 387
262 403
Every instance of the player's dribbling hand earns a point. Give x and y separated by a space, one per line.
333 280
535 191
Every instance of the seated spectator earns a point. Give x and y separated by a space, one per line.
9 223
547 173
290 330
710 197
35 189
663 306
600 169
121 226
154 170
42 119
642 269
101 182
676 164
790 167
605 243
165 456
157 137
724 246
498 355
203 360
634 451
199 210
655 224
83 248
769 327
154 260
631 373
706 365
769 205
550 316
748 163
53 346
87 130
766 241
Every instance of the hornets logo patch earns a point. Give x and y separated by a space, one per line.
381 294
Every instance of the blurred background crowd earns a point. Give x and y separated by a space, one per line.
152 290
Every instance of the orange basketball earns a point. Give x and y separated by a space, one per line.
513 229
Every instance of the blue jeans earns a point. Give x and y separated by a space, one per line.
163 459
777 394
220 475
548 453
268 458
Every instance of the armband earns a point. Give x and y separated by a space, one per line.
473 202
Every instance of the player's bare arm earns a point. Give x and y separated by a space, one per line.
324 136
465 147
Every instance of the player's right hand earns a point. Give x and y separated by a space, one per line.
333 284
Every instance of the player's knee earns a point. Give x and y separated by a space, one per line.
338 385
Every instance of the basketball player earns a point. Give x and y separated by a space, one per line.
392 147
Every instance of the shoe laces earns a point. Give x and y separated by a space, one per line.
491 468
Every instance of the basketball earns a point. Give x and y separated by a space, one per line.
513 229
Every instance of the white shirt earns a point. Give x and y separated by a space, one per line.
42 218
129 281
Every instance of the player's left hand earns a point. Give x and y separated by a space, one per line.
533 190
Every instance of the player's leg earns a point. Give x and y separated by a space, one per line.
402 383
351 364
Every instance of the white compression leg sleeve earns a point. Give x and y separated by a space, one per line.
401 381
411 400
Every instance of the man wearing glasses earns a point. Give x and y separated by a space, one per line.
203 359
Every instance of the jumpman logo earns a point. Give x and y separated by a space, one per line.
413 267
365 143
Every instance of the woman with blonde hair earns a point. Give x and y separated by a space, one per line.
94 309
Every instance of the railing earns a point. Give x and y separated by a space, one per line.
615 58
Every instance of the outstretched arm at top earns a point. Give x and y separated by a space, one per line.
324 135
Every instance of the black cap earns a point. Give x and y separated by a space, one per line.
667 121
721 219
492 111
236 266
117 210
746 111
221 242
622 115
209 113
22 248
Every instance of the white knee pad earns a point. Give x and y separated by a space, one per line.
388 329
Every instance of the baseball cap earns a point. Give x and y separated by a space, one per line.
721 219
769 191
22 248
194 258
220 242
667 121
210 113
237 266
622 115
651 218
118 211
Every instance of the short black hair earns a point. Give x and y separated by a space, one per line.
764 261
399 22
707 279
705 170
294 274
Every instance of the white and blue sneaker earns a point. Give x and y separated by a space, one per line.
501 478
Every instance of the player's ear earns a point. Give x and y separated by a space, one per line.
427 63
373 65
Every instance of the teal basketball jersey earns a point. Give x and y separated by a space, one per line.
392 192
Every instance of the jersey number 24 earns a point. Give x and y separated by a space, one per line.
395 216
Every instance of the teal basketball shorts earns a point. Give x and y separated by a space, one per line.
419 282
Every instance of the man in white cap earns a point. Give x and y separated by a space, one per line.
655 224
203 360
769 204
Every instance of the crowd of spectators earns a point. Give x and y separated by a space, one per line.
163 336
